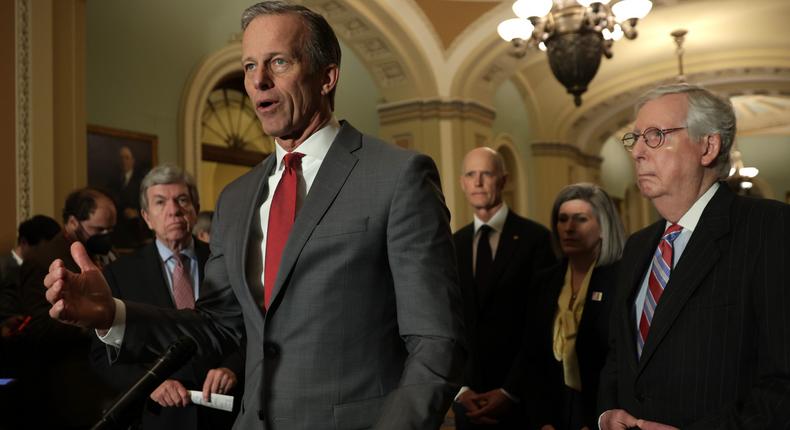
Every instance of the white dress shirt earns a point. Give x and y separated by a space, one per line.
169 263
497 223
689 222
314 149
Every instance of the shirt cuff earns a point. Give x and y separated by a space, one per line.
114 336
509 396
600 417
461 391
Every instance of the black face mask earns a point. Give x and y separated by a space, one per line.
98 244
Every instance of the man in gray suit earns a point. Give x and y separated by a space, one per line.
352 313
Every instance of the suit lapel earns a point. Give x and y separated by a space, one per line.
334 170
464 252
636 268
202 253
156 285
699 257
248 231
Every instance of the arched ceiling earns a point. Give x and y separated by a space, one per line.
450 49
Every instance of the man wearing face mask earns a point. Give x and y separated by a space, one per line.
58 385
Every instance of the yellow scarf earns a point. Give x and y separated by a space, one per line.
566 324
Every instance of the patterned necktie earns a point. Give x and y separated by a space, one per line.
183 293
660 269
281 218
484 258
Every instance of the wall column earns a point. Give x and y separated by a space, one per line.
445 130
557 165
50 104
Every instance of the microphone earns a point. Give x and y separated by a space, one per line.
176 356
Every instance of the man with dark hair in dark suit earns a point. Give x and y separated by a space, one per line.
497 255
168 273
31 232
55 354
700 336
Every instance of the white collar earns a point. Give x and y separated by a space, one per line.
16 257
690 219
316 146
497 222
165 253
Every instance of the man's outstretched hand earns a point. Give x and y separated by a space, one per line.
82 299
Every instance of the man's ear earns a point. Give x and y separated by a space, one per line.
144 213
329 78
503 181
71 224
712 147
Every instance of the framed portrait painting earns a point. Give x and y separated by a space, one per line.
117 162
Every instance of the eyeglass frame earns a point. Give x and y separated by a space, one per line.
662 132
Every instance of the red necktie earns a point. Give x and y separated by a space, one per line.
660 269
183 293
281 218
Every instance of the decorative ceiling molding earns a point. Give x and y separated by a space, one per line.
603 120
380 45
435 109
565 150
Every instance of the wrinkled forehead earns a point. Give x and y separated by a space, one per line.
669 110
280 33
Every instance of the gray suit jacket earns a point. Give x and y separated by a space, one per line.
364 329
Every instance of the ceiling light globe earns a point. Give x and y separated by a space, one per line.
748 172
628 9
529 8
515 28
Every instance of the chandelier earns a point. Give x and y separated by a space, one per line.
574 33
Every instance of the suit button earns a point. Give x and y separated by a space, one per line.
261 415
270 350
640 397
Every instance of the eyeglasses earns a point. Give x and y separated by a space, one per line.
654 137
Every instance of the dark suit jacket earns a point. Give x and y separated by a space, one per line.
718 352
545 372
364 328
9 286
496 318
140 277
60 389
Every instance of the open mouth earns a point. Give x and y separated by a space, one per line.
265 105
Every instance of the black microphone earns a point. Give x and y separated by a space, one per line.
176 356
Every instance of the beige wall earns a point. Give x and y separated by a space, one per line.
56 108
8 220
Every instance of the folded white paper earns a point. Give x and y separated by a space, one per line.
218 401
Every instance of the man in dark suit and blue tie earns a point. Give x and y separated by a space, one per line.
334 257
497 255
700 336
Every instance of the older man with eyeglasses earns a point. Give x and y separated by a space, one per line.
700 334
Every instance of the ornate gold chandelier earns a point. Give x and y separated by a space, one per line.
574 33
